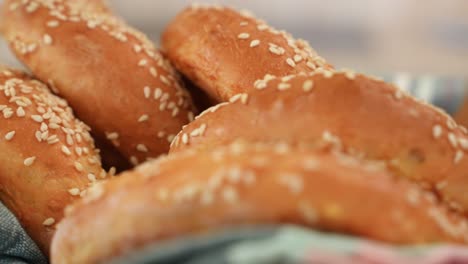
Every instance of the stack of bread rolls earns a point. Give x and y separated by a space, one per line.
289 139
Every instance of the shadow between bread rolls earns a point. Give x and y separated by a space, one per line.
239 184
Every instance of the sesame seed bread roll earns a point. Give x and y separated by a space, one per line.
225 52
190 192
366 116
47 156
111 74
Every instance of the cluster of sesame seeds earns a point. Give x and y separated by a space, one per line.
458 141
242 97
456 230
164 78
252 29
25 100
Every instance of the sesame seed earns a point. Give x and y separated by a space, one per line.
69 140
284 86
254 43
170 138
147 91
161 134
37 118
293 182
463 143
175 112
74 191
44 127
142 148
413 196
9 136
229 194
13 6
137 48
49 221
262 27
308 85
134 160
29 161
78 166
276 50
47 39
350 75
142 62
78 151
260 84
297 58
33 6
91 177
153 72
190 116
38 136
244 98
185 139
20 112
308 212
458 156
243 36
243 23
328 74
164 80
112 136
436 131
53 23
157 93
290 62
311 65
143 118
451 124
453 140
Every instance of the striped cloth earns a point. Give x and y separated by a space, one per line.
15 245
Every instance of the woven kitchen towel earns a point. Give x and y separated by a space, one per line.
289 245
16 247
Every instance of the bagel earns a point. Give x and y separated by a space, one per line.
250 184
224 51
47 156
366 116
111 74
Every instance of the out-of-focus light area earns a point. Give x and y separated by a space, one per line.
386 36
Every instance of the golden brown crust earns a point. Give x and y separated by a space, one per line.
193 192
113 77
225 52
47 156
462 115
366 116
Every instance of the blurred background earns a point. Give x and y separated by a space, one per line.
379 36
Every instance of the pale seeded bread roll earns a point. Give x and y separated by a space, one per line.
250 184
111 74
224 51
366 116
47 156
